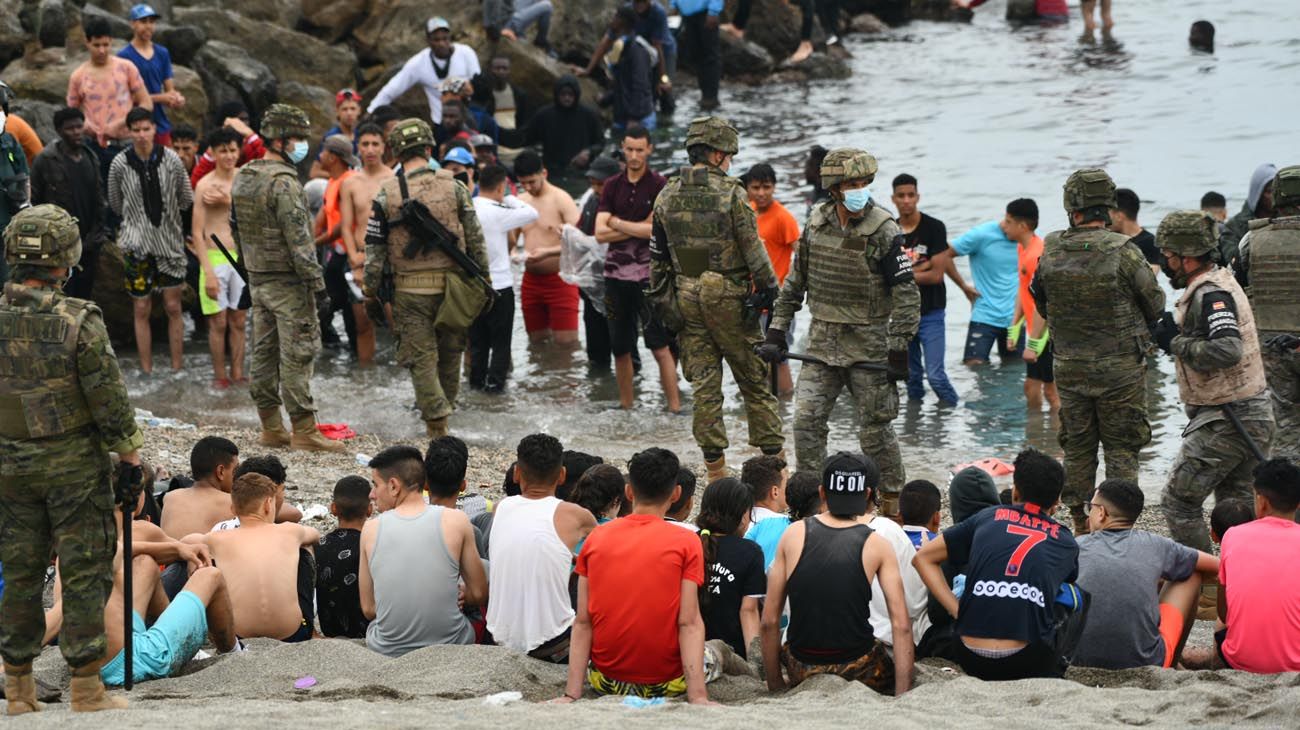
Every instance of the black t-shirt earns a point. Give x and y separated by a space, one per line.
1147 243
735 573
930 237
1016 560
338 601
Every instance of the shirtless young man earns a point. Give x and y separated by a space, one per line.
355 198
550 304
260 562
213 461
221 287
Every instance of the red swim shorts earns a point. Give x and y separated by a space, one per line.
549 303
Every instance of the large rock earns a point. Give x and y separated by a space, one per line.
293 56
892 12
939 10
578 26
534 71
743 57
41 76
317 102
285 13
13 39
38 114
53 20
333 20
182 41
195 111
816 66
117 23
394 29
230 74
867 24
773 24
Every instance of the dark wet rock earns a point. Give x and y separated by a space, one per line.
744 57
867 23
116 22
230 74
293 56
52 23
182 41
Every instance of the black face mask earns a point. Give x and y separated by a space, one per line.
463 177
1177 279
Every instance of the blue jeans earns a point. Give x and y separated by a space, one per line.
928 346
648 123
981 338
528 12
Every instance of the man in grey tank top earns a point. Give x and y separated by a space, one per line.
413 558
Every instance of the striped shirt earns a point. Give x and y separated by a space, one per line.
126 196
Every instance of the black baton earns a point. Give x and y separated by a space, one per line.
1241 429
855 366
222 248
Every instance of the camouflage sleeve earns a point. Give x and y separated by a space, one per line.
102 386
745 225
905 297
794 288
1146 290
290 212
661 260
1212 338
376 242
475 246
1037 291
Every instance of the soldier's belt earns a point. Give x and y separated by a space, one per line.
421 282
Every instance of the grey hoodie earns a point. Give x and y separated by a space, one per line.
1230 239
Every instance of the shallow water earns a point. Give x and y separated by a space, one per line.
981 114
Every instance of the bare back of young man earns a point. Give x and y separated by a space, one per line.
222 286
260 562
542 244
356 196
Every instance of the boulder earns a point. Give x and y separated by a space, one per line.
743 57
578 26
892 12
317 102
816 66
939 10
285 13
230 74
195 111
13 39
39 115
332 20
534 71
294 56
182 41
118 23
394 29
867 23
773 24
53 23
41 77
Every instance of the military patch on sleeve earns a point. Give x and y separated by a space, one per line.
1220 314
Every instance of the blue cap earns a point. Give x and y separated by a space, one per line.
142 11
458 154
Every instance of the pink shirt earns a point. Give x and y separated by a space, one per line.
105 98
1263 603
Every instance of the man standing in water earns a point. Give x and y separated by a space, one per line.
357 194
1105 296
705 260
270 224
1219 366
865 308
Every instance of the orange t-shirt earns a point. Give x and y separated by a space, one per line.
1029 256
333 214
779 232
26 136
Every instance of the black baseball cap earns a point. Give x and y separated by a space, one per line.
849 479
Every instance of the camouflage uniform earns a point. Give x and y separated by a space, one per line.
63 408
1270 264
706 245
857 316
1097 291
1219 366
270 224
432 354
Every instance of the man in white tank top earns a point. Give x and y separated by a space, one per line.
532 542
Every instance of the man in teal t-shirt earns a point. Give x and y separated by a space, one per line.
993 248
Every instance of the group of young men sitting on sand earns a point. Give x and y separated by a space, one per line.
781 576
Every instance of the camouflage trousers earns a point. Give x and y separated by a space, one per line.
433 357
1213 459
716 331
286 340
1100 405
876 401
71 516
1283 372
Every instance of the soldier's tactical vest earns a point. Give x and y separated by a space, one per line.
1275 274
697 219
40 395
437 190
844 280
1230 384
262 244
1092 315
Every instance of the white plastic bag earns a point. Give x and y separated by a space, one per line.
582 263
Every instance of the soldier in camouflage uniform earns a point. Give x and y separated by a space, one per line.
705 245
865 308
1097 292
271 226
1269 264
1217 355
63 408
432 354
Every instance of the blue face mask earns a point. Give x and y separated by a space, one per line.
299 152
856 200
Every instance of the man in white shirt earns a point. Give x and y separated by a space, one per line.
430 68
489 336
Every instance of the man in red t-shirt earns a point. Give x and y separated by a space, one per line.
638 621
779 231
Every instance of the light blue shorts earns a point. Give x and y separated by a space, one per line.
164 648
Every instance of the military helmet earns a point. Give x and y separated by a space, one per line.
847 163
410 133
1089 188
282 121
714 132
1286 187
1187 233
43 235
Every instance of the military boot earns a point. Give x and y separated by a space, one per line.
716 469
436 428
88 693
779 453
20 689
306 437
889 506
273 433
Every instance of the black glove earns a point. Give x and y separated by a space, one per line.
323 308
1283 343
128 480
897 365
375 310
1164 332
773 348
762 299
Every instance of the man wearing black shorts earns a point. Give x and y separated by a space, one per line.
1017 558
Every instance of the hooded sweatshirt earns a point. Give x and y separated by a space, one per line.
1230 239
563 132
970 491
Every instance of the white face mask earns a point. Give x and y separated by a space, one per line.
3 119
